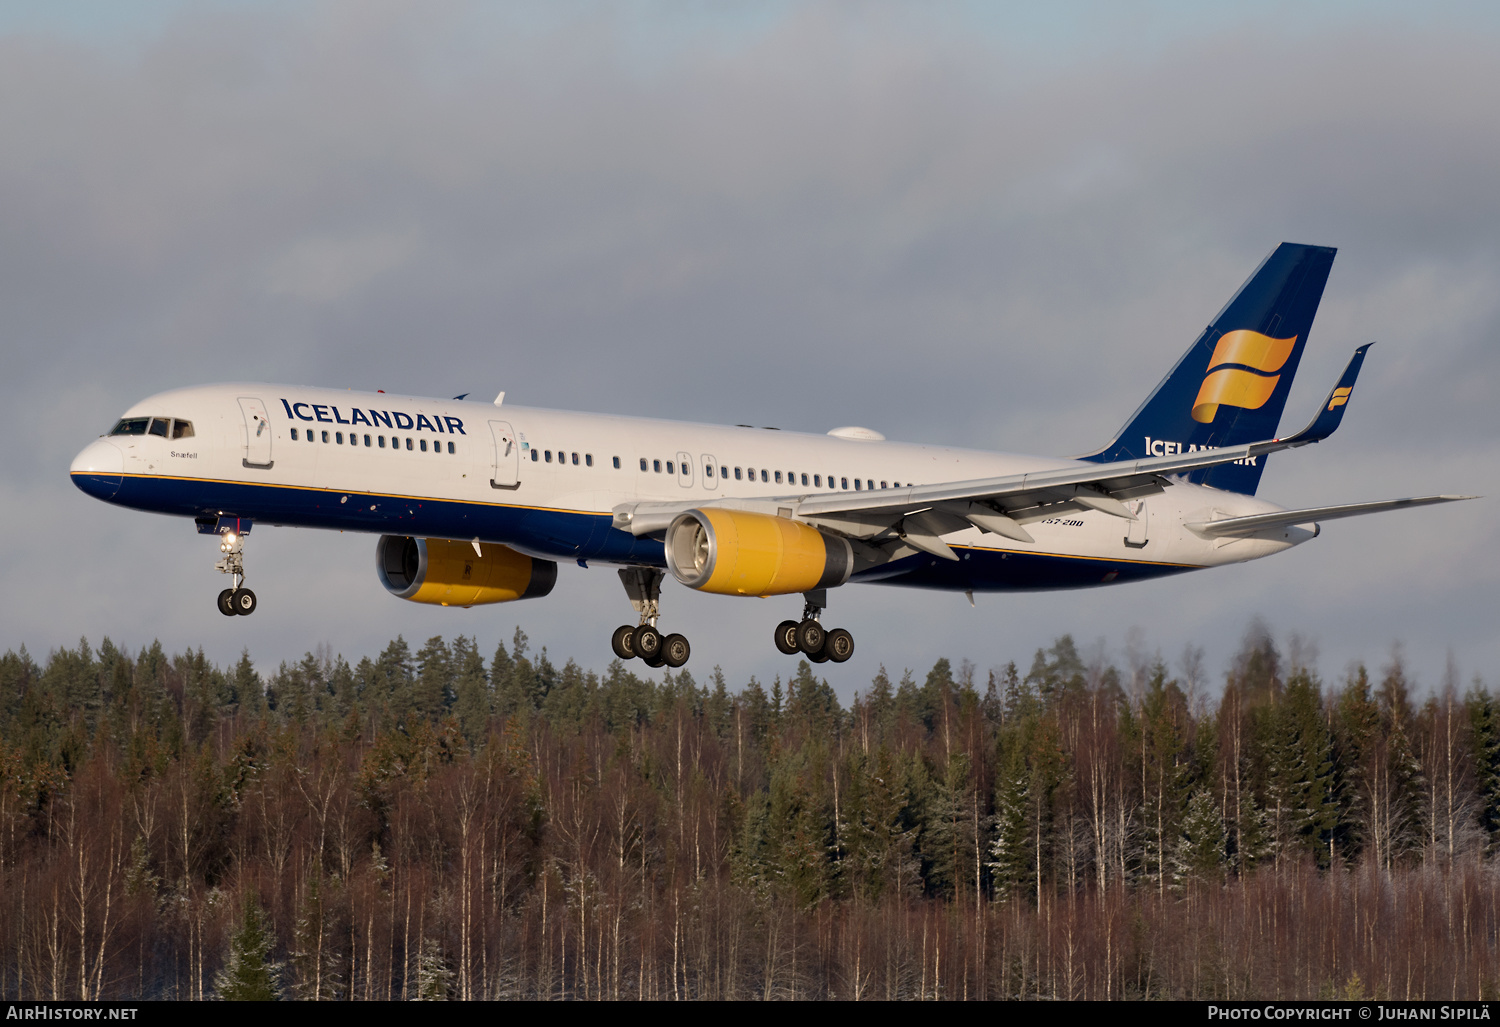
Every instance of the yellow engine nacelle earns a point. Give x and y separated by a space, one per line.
734 553
444 573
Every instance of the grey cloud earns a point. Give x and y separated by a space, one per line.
820 219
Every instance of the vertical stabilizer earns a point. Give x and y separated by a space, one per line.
1231 386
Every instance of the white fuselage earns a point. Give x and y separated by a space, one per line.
546 482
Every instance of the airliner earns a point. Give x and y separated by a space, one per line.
475 503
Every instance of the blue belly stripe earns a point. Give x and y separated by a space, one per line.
572 534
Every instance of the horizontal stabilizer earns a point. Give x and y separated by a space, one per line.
1232 527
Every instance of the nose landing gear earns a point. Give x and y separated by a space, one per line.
237 600
643 586
808 635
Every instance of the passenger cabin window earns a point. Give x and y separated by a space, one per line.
669 468
763 475
656 466
325 436
575 459
548 456
778 477
408 445
588 459
338 438
804 479
737 474
818 480
451 449
535 455
380 439
643 463
617 463
294 434
844 483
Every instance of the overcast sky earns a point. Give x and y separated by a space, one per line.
945 222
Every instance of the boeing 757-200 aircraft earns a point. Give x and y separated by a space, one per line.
477 502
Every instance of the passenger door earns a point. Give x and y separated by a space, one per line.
1135 533
257 433
507 452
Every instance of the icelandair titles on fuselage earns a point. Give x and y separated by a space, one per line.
389 418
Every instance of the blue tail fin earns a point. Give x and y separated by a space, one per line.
1232 385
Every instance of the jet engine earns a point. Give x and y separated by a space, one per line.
445 573
731 552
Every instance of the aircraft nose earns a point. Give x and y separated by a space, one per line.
99 469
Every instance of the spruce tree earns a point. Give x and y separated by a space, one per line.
249 975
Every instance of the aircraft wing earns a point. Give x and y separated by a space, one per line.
1234 527
919 514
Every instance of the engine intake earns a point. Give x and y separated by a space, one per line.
731 552
445 573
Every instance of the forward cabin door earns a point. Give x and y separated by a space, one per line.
507 463
257 433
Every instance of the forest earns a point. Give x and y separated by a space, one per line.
433 824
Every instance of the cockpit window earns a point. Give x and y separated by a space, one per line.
182 429
131 426
160 426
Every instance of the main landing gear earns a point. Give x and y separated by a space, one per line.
808 636
237 600
643 586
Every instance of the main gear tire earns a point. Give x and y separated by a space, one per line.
786 638
647 643
623 642
675 650
810 636
839 645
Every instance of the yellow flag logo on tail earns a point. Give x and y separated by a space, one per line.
1340 397
1233 387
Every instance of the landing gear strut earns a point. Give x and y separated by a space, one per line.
808 635
237 600
643 586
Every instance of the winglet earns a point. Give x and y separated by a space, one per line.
1332 411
